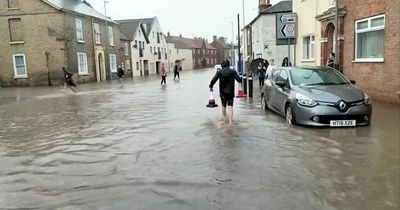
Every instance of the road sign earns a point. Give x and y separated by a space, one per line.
286 25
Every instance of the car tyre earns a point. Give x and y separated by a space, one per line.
290 116
263 102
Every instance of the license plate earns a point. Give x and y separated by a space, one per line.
342 123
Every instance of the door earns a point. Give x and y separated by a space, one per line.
281 93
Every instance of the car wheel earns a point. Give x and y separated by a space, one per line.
290 117
263 102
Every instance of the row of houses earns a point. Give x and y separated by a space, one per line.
366 45
39 37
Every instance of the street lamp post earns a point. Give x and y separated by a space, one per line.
107 35
337 56
232 54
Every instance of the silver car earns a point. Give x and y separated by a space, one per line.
316 96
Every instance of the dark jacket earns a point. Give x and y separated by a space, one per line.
227 79
120 72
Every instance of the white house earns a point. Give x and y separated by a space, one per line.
308 47
149 47
261 34
179 52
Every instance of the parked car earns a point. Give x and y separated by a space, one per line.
316 96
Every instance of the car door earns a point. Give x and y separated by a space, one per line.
281 93
269 87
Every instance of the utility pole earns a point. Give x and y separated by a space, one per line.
107 35
232 54
244 40
239 60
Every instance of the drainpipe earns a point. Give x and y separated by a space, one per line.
337 33
94 51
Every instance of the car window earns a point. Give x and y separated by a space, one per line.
275 75
317 77
283 76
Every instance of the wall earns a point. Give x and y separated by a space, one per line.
42 26
267 36
381 80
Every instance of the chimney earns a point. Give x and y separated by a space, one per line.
168 34
264 4
180 35
214 38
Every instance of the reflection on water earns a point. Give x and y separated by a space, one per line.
144 146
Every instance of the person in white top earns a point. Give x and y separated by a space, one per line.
271 67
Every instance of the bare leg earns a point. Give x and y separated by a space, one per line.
73 89
223 111
230 114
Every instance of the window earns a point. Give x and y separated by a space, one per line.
13 4
142 45
140 33
82 63
111 35
79 30
137 66
113 63
16 30
126 48
97 33
308 47
370 38
128 64
20 66
204 51
151 49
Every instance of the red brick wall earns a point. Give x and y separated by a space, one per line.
381 81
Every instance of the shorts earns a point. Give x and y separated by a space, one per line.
71 83
226 101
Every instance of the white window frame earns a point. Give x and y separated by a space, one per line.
126 46
79 33
15 67
113 62
369 29
311 45
84 62
97 33
111 35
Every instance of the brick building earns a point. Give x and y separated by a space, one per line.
39 37
223 49
369 36
204 55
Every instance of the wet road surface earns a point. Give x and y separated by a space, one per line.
144 146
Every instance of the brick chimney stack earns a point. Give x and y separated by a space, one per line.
264 4
214 38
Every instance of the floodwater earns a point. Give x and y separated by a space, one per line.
144 146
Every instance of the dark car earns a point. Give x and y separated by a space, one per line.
317 96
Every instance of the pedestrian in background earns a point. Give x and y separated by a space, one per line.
286 62
120 74
262 71
270 68
68 81
226 77
176 70
331 60
163 74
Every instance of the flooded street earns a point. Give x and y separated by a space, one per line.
144 146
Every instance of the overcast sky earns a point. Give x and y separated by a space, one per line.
201 18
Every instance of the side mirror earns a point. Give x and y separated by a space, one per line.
353 82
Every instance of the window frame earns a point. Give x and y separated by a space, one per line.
369 29
111 36
113 70
22 76
12 8
97 33
310 46
84 71
78 20
126 48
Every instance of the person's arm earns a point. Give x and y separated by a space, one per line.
237 77
214 80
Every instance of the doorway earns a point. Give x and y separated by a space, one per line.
158 66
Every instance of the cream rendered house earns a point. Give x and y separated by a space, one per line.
308 47
179 52
261 34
